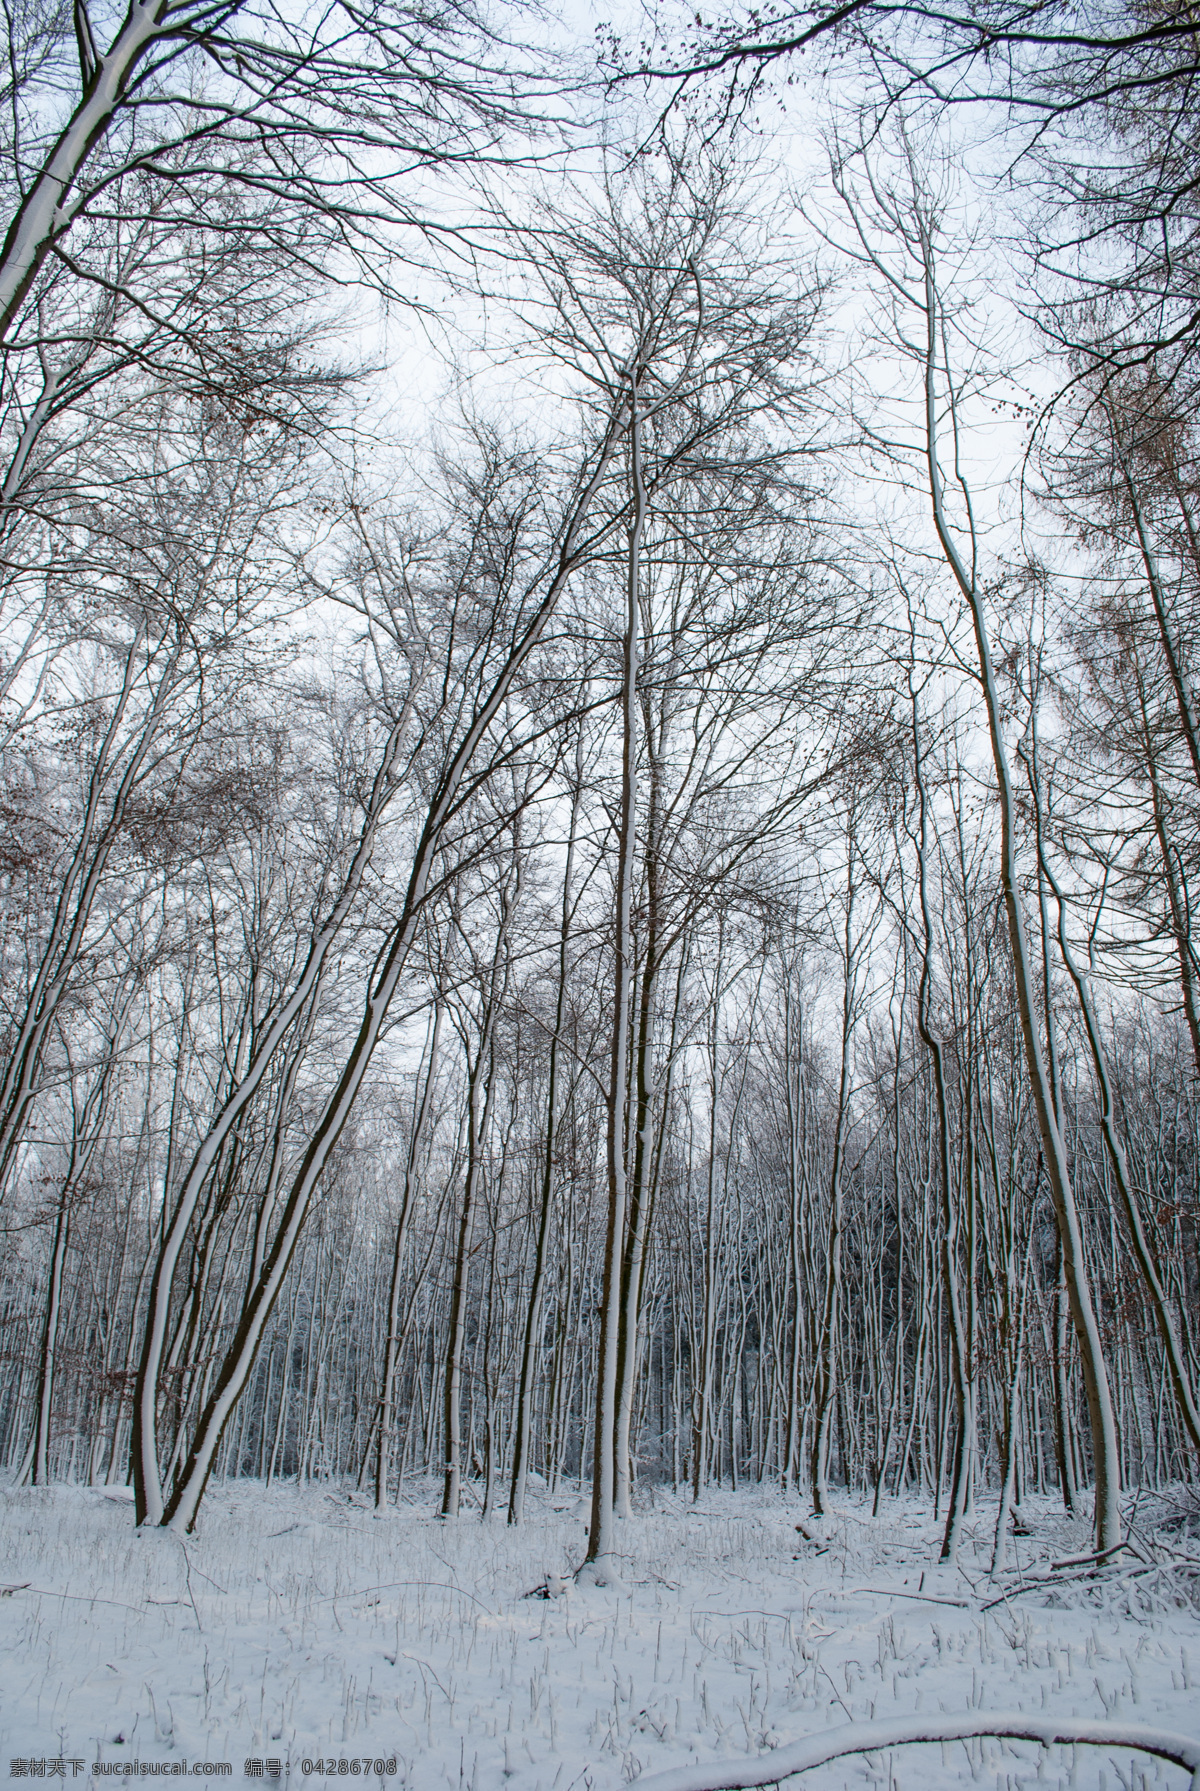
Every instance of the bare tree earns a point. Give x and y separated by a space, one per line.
466 711
907 215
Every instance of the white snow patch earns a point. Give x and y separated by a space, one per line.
295 1625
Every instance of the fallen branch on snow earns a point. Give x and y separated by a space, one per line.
870 1738
1177 1570
960 1604
1092 1559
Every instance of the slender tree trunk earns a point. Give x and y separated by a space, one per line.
1105 1458
600 1563
45 1383
827 1349
704 1370
529 1348
1172 654
148 1494
1177 906
481 1089
795 1111
1185 1397
80 888
640 1193
964 1447
414 1164
1012 1428
647 1172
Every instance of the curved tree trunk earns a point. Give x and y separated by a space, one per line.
1106 1462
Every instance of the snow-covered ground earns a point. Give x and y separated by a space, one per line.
297 1627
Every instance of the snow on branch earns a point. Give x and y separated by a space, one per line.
869 1738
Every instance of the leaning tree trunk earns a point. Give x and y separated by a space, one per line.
1177 1369
1054 1152
238 1361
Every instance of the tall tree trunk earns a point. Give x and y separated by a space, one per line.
826 1389
1185 1397
1106 1462
529 1348
1178 907
414 1166
44 1394
599 1564
481 1090
964 1447
641 1193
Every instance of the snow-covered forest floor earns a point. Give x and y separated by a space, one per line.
295 1625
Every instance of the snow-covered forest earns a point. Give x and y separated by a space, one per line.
601 801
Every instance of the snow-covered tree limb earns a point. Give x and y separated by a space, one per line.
869 1738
